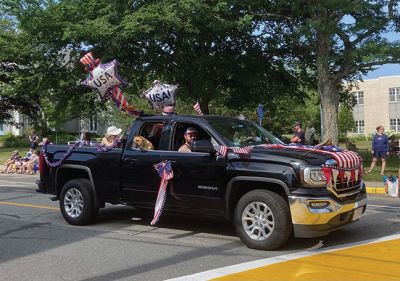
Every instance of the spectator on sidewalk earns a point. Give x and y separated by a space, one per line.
33 139
299 136
9 165
310 134
380 149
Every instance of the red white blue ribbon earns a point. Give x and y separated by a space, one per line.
164 170
120 101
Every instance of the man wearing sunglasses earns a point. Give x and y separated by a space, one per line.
190 135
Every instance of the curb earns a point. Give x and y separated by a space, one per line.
376 190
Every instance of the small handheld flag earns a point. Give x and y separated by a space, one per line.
197 108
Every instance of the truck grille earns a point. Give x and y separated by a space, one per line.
342 189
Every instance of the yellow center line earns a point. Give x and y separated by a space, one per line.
377 261
28 205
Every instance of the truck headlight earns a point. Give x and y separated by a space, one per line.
313 177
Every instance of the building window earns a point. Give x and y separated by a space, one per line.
93 124
360 125
359 97
394 94
395 125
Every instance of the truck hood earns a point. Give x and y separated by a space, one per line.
289 155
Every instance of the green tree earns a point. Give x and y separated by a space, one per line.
337 40
210 48
346 120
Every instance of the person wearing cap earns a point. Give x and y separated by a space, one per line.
190 135
299 135
111 136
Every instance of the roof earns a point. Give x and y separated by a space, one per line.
185 117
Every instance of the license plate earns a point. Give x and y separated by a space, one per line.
357 213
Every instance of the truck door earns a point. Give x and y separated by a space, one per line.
139 178
199 178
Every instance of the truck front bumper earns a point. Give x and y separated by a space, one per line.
318 216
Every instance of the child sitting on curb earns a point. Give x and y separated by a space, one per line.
9 165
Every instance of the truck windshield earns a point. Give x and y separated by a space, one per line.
236 132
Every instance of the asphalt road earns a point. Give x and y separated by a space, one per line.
37 244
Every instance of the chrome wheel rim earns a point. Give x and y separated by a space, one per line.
73 202
258 221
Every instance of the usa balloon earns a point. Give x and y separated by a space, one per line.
161 95
102 77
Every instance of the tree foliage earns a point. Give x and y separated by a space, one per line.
337 40
230 55
209 48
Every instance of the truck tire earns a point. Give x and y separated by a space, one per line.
262 220
77 202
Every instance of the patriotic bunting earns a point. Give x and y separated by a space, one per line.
164 170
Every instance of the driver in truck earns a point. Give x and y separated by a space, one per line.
190 135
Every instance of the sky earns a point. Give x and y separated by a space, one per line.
387 69
384 70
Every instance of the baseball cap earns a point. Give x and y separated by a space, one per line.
191 130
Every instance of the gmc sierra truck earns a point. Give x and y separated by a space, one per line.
274 193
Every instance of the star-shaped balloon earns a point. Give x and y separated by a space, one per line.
104 77
161 95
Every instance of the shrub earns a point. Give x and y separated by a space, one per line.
14 141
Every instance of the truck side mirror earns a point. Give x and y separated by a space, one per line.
203 146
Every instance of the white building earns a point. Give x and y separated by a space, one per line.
378 103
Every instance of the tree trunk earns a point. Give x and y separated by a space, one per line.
327 91
204 106
329 106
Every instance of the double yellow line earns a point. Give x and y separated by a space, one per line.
28 205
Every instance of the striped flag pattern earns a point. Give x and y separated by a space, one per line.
120 101
223 150
164 170
346 165
242 152
89 62
197 108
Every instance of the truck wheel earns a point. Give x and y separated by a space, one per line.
262 220
77 202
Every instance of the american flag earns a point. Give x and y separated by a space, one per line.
243 152
347 164
223 150
197 108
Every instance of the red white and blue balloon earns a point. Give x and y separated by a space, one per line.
103 77
161 95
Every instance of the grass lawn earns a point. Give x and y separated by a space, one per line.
392 166
5 153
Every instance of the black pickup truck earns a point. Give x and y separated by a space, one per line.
268 196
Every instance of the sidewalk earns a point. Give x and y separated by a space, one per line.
375 187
